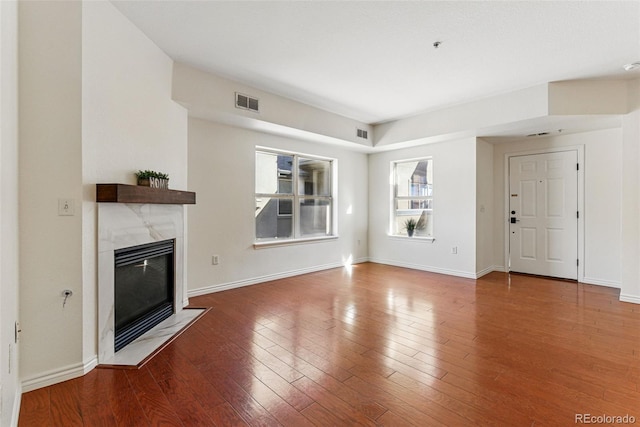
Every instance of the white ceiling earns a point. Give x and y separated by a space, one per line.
375 61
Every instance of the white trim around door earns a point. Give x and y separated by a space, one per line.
506 217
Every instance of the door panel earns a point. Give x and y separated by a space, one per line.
529 198
554 245
555 197
528 242
543 205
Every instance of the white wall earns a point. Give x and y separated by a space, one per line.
517 110
602 198
101 111
464 119
9 386
129 122
212 97
484 208
631 198
221 172
129 119
454 211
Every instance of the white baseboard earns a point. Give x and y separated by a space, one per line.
635 299
457 273
601 282
59 375
485 271
585 280
266 278
15 412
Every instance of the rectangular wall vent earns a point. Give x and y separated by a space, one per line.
247 102
362 133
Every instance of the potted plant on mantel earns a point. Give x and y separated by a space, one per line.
153 179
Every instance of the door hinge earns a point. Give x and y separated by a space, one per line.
577 166
578 214
577 263
16 332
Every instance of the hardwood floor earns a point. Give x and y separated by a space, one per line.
376 346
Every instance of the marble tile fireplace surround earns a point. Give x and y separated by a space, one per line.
122 225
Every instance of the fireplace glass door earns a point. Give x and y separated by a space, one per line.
144 289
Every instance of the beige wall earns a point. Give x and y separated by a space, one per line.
10 387
484 208
50 117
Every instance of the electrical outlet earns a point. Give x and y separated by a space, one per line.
215 260
454 250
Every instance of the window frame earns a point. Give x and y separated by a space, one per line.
395 199
297 199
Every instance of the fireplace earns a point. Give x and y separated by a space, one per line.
144 289
129 225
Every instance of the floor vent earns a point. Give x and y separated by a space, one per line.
246 102
362 133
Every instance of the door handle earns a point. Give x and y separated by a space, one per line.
514 220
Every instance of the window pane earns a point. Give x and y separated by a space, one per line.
315 217
412 204
285 207
273 173
272 219
414 178
293 196
423 218
314 177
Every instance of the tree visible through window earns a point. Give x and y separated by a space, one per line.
413 196
293 196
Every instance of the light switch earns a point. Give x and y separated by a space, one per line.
66 207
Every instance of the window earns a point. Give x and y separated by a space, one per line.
294 196
412 197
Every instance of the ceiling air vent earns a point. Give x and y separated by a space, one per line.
246 102
538 134
362 133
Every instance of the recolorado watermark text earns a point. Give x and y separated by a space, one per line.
604 419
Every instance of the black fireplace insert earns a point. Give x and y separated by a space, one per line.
144 289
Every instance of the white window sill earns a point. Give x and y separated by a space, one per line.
414 238
287 242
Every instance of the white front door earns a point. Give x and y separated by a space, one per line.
543 214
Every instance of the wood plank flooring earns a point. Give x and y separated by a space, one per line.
377 345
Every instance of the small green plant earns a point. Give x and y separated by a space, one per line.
153 179
146 174
410 225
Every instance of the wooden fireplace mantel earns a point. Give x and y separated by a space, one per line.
124 193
